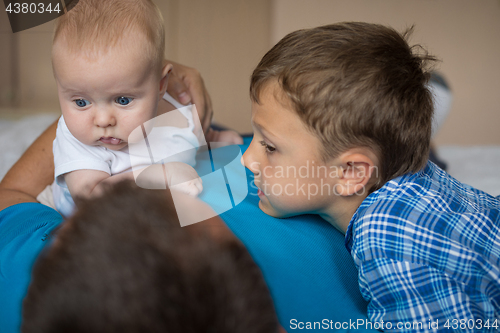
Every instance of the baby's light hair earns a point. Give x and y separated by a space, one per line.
94 25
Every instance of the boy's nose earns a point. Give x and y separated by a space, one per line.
249 161
104 118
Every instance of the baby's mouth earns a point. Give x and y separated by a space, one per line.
110 140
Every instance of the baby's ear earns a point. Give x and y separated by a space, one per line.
359 171
165 72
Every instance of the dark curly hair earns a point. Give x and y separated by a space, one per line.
123 263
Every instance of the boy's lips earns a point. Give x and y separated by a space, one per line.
110 140
259 192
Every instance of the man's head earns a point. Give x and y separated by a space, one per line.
122 263
108 60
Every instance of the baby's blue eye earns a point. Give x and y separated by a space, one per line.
124 100
81 102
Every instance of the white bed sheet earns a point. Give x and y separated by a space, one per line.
478 166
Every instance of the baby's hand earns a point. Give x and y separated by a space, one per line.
184 178
230 137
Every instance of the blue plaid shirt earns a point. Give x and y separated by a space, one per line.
427 249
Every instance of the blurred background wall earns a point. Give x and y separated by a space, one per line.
225 39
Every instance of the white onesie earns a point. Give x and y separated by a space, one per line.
166 144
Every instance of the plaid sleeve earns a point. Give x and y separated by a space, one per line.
412 296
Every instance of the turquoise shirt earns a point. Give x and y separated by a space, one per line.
24 232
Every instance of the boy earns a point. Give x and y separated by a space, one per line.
342 124
108 60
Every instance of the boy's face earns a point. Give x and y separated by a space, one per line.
104 99
286 160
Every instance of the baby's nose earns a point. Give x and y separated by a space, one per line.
105 118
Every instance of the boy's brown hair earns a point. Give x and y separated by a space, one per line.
91 26
356 85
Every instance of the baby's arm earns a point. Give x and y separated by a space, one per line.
87 183
180 176
184 178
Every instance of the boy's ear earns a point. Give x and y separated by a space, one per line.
165 72
358 172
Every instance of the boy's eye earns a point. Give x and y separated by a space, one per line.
124 100
81 102
269 148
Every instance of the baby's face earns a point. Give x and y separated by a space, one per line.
286 161
105 98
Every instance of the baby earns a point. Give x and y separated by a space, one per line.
342 121
111 75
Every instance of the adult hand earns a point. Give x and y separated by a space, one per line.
186 85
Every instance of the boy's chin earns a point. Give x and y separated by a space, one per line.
271 211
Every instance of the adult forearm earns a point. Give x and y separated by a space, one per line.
32 173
